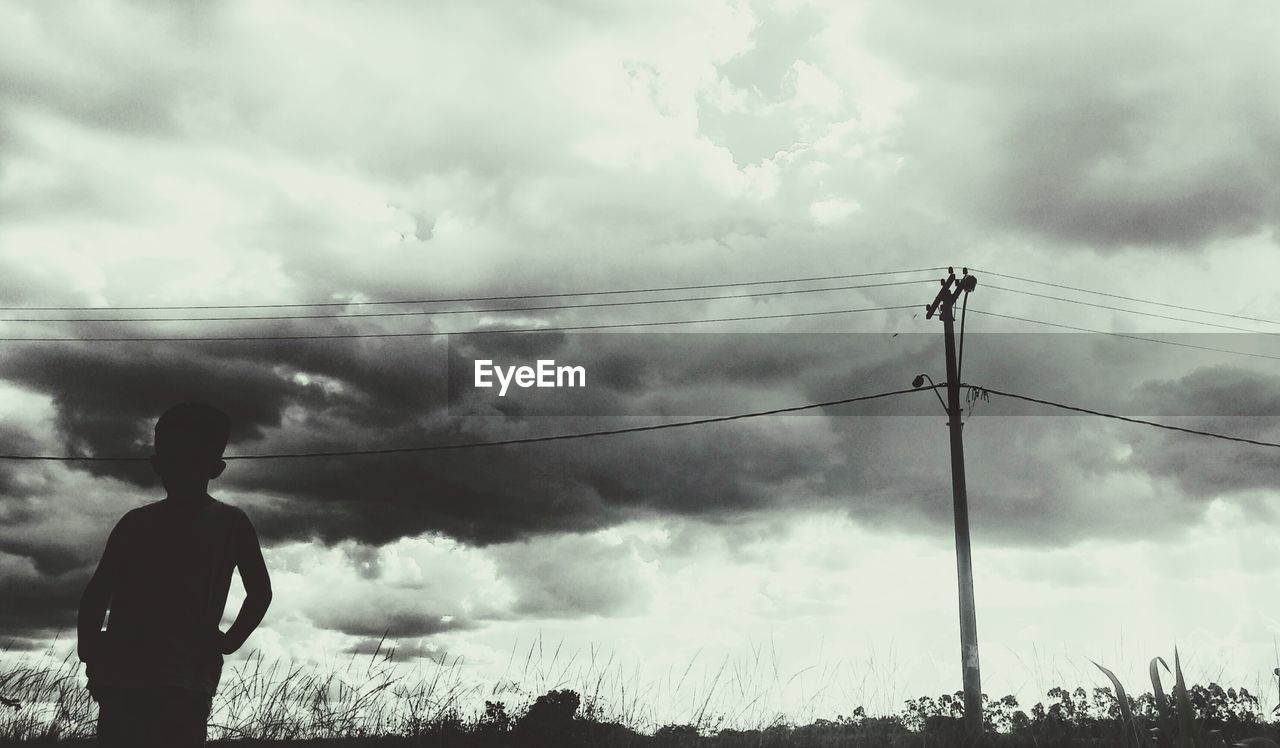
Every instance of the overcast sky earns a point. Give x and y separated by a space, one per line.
234 153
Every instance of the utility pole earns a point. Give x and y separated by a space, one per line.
944 305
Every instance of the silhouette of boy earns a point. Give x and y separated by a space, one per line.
165 575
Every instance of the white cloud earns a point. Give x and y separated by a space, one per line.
833 210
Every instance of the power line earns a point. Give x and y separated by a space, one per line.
481 331
501 442
1127 419
437 312
1124 335
460 300
1122 309
1129 298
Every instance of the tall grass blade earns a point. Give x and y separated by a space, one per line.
1129 724
1186 725
1165 712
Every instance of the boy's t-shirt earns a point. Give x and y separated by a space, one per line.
170 566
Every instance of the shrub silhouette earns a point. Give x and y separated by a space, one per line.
550 719
677 733
495 717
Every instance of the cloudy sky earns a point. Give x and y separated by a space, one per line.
227 153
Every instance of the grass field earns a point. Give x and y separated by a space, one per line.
367 701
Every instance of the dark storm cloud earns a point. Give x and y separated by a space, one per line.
1032 482
1050 477
500 494
374 394
473 497
39 606
689 374
1221 390
378 395
1245 404
107 398
50 557
390 392
15 440
1072 478
1148 125
1026 481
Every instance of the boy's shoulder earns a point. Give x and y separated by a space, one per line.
222 506
139 512
232 517
156 509
233 513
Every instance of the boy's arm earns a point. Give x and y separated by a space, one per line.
96 598
257 589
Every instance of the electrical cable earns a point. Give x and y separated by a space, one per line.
1130 311
1129 298
460 300
480 331
437 312
1127 419
1127 335
500 442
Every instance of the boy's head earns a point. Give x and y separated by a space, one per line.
189 440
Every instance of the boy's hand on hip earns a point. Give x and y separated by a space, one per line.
223 643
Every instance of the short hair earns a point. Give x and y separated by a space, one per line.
193 428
